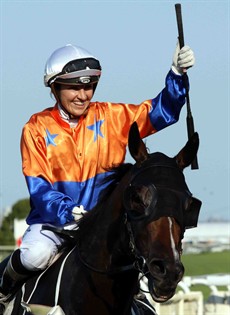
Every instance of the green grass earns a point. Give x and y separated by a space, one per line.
204 264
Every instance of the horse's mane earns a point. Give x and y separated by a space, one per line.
117 173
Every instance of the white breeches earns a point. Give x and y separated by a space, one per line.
39 247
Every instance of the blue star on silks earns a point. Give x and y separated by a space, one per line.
96 129
50 138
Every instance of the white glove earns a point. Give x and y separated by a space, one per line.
78 212
182 59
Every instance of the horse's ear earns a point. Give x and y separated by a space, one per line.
137 147
185 157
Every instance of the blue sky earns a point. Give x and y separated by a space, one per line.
134 41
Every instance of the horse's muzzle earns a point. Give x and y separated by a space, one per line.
163 278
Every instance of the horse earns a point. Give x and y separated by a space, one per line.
136 229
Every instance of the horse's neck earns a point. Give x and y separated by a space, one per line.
103 235
105 238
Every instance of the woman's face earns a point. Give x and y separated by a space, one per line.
75 98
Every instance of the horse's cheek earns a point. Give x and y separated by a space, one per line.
146 239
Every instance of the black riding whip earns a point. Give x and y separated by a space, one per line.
189 119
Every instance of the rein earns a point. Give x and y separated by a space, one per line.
138 263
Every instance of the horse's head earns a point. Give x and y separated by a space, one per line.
160 207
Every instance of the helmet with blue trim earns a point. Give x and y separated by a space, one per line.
72 65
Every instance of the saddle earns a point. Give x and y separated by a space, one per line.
28 290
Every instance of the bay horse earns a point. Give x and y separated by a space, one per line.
136 228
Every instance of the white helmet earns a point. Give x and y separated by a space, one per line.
72 65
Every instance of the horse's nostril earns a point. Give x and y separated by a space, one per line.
158 267
163 268
180 270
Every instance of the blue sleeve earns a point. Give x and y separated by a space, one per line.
167 105
47 204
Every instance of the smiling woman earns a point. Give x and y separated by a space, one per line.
72 73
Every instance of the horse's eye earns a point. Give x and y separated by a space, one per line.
137 199
137 202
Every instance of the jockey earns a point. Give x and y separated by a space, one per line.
67 150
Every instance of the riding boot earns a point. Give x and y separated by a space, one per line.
12 278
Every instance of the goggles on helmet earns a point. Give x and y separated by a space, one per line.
81 71
81 64
78 81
